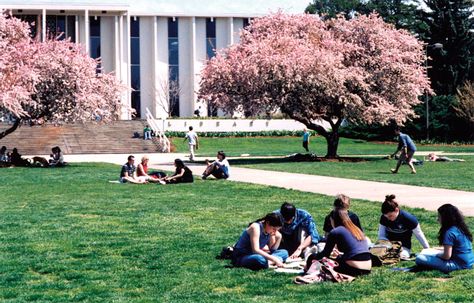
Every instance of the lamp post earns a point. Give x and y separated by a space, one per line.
433 46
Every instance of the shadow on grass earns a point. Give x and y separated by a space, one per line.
250 161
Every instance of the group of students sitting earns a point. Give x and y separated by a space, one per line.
14 158
290 233
139 174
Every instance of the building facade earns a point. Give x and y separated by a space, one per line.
157 47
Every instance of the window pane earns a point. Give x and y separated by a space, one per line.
94 26
135 50
172 28
135 27
135 74
95 47
174 73
71 28
136 103
173 51
210 47
210 28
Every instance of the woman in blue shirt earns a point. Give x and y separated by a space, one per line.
456 239
257 247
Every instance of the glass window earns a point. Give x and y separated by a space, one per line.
246 22
71 28
210 47
136 103
94 26
173 51
135 74
135 50
61 27
135 27
172 28
210 28
95 47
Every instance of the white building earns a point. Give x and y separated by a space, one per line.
158 47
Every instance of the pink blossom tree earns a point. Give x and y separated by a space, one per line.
53 81
361 70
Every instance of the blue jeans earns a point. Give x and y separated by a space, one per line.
257 262
435 262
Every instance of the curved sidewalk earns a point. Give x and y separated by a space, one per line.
429 198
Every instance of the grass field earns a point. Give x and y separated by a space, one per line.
281 146
70 236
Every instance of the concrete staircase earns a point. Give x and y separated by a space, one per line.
114 138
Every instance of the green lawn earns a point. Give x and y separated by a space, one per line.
280 146
68 235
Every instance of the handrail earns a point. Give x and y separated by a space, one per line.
164 142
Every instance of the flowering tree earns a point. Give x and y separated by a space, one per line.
52 81
361 70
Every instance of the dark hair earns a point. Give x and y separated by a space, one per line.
340 217
397 129
342 202
130 157
450 216
190 128
4 148
58 149
287 211
389 204
179 163
272 219
221 152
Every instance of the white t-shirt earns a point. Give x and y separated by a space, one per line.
224 164
192 137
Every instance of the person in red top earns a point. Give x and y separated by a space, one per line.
142 172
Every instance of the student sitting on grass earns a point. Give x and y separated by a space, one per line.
341 202
142 172
298 231
399 225
182 173
257 247
219 168
351 241
456 239
57 157
128 174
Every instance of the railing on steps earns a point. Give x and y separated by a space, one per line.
164 142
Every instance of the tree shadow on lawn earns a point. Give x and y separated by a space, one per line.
250 161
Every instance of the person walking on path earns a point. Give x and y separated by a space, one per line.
193 142
306 135
408 148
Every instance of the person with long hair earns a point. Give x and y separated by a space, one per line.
257 247
456 239
142 172
341 201
355 259
182 173
399 225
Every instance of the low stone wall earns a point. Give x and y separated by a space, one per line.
232 125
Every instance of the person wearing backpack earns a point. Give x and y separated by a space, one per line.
355 259
399 225
257 247
456 239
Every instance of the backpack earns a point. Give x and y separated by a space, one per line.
226 253
385 252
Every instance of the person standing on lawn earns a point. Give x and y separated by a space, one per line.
306 135
193 142
408 148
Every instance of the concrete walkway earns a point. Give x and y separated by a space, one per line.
414 196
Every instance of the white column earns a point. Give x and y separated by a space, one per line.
200 60
187 55
127 57
117 64
107 43
86 31
162 68
43 25
76 28
147 56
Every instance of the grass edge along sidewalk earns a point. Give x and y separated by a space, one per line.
69 235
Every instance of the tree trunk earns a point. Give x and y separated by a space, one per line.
11 129
332 140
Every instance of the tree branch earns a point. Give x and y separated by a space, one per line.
11 129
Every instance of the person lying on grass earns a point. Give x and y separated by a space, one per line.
182 173
456 239
257 247
399 225
298 231
432 157
219 168
355 259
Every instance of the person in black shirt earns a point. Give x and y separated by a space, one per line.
340 202
182 173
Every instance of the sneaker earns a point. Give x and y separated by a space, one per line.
393 171
413 172
162 182
203 177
